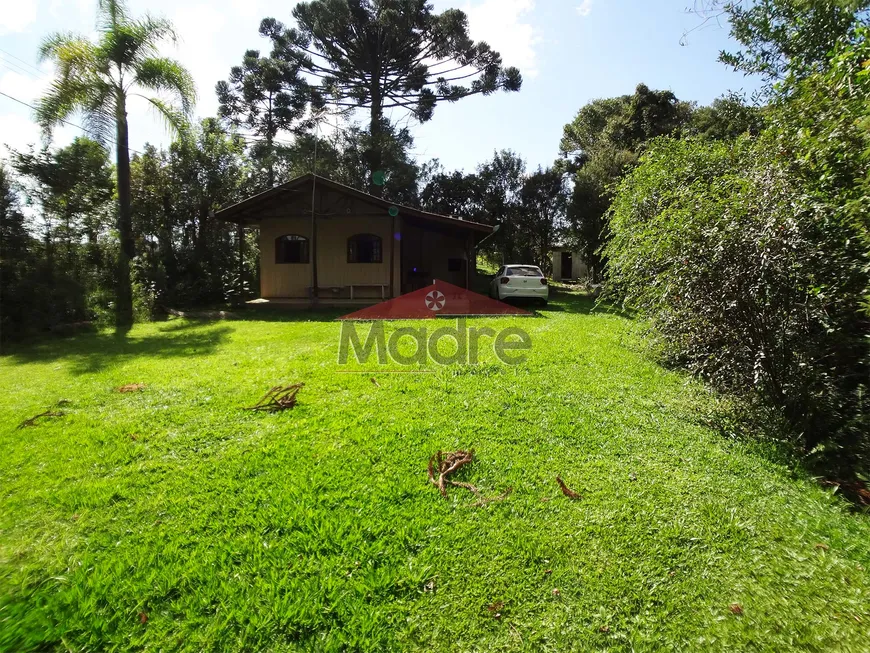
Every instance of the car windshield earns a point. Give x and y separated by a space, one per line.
524 271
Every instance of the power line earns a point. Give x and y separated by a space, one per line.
15 68
39 72
71 124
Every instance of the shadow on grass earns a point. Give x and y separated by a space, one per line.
95 352
576 303
290 313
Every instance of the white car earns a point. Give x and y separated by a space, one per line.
525 281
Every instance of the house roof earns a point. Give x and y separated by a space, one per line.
245 212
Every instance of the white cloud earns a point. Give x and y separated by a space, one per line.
502 24
18 131
22 87
202 50
16 15
584 8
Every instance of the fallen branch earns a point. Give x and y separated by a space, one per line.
447 464
278 398
485 501
568 492
32 420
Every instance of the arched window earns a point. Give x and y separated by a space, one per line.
364 248
291 249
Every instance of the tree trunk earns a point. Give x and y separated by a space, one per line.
375 156
124 292
164 240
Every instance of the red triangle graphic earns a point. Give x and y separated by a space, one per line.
441 299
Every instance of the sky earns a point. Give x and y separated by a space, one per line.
569 52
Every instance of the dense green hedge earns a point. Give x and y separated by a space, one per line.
750 258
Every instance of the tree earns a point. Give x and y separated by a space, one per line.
543 200
16 261
726 118
74 187
265 95
594 185
185 251
341 156
529 208
623 122
96 80
600 146
785 36
382 54
452 194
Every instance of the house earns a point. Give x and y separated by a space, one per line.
567 264
320 239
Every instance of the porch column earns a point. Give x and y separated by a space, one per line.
313 252
241 237
393 232
470 259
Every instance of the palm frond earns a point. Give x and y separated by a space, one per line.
161 74
71 52
100 117
152 31
175 120
111 13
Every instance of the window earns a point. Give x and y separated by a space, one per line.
524 271
364 248
291 249
455 264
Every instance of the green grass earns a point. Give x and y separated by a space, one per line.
316 528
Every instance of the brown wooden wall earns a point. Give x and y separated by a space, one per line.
429 251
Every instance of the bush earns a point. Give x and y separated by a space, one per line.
750 281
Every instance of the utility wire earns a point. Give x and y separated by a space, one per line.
9 54
15 68
66 122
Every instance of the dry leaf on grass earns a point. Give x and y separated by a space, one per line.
736 608
132 387
568 492
495 609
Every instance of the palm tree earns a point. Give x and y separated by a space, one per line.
95 81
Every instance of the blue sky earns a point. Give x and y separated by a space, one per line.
570 52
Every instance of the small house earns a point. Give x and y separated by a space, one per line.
567 264
320 239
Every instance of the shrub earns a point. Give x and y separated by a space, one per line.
750 280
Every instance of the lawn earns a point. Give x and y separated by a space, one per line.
172 519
